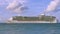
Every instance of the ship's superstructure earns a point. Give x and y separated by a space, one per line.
38 19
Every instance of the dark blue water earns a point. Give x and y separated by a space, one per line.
29 28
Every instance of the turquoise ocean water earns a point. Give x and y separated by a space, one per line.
29 28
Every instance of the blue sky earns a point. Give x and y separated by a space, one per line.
35 8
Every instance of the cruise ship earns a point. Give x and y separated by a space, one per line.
37 19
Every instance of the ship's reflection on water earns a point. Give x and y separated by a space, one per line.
29 28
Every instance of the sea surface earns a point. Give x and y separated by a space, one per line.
29 28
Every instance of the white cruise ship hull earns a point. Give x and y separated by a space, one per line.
32 22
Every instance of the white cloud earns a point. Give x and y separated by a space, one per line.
52 6
13 5
16 5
